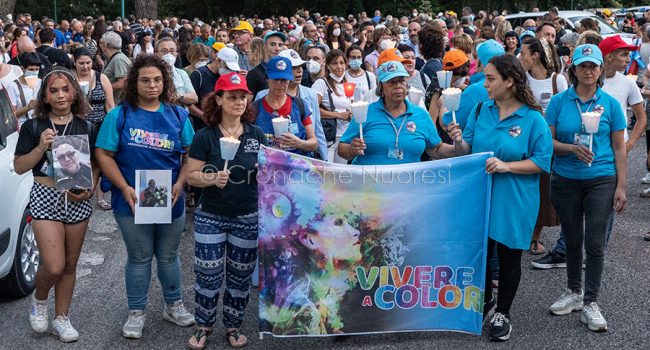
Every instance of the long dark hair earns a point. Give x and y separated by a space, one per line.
547 54
328 35
509 66
213 113
332 56
79 106
131 84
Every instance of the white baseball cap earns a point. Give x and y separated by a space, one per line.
231 58
293 56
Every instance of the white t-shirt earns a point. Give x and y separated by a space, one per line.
341 103
13 74
543 89
29 93
362 83
625 91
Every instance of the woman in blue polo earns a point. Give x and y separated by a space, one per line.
395 131
147 132
511 125
301 137
587 185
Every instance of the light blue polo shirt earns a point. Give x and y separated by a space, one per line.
417 134
474 94
562 113
515 198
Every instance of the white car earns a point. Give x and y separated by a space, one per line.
19 257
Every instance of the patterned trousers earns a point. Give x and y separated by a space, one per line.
224 245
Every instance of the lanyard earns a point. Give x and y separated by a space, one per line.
65 128
580 109
397 132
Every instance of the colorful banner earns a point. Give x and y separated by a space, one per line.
372 249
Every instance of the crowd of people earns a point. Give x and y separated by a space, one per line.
181 85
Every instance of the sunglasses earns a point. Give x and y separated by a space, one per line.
70 155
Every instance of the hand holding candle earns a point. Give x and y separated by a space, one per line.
591 121
360 114
451 96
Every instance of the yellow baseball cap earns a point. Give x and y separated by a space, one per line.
243 25
218 46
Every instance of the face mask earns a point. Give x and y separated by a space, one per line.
336 31
336 77
169 59
200 64
30 73
415 14
355 64
531 28
386 44
314 67
224 71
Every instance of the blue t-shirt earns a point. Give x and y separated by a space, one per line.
208 43
563 114
297 124
417 134
60 39
515 198
68 36
474 94
145 140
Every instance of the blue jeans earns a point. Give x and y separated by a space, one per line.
585 210
143 242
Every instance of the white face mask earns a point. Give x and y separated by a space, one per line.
169 59
386 44
336 31
336 77
314 67
200 64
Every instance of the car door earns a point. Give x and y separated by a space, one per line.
9 180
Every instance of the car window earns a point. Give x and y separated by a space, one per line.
8 121
605 28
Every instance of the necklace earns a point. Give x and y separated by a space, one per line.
231 134
61 116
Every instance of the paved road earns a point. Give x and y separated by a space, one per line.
99 305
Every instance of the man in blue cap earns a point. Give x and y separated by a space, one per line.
476 92
256 78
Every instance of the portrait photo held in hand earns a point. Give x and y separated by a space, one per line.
154 189
71 156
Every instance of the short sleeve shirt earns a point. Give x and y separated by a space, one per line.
117 68
341 103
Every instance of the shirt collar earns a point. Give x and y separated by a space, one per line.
521 112
409 108
573 96
478 76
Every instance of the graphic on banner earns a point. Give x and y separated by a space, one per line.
353 250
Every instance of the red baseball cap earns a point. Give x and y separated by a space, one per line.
230 82
613 43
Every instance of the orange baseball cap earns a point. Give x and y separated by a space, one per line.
453 59
392 55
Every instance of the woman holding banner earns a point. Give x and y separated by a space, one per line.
588 180
396 131
225 221
511 125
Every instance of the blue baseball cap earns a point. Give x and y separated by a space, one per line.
526 33
274 33
587 53
488 50
279 68
391 69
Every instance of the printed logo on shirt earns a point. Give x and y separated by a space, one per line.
599 109
515 131
411 127
149 139
252 146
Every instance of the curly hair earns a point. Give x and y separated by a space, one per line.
131 85
212 112
432 42
79 106
547 54
509 66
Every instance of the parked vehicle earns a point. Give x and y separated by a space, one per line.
19 256
572 19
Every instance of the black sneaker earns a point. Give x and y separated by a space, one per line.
500 327
488 308
551 260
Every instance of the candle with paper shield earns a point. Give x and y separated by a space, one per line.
360 114
452 100
415 95
229 147
85 87
444 78
349 88
591 121
280 126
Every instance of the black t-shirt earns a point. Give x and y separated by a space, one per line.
56 56
28 139
239 197
203 81
256 79
126 41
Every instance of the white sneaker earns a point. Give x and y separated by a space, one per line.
646 179
567 303
134 324
38 314
592 317
178 314
645 193
62 328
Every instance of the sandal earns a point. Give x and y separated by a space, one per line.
103 205
235 334
198 335
536 248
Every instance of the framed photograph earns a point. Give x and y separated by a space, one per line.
71 158
154 191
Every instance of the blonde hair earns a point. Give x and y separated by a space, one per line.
502 29
256 55
463 42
